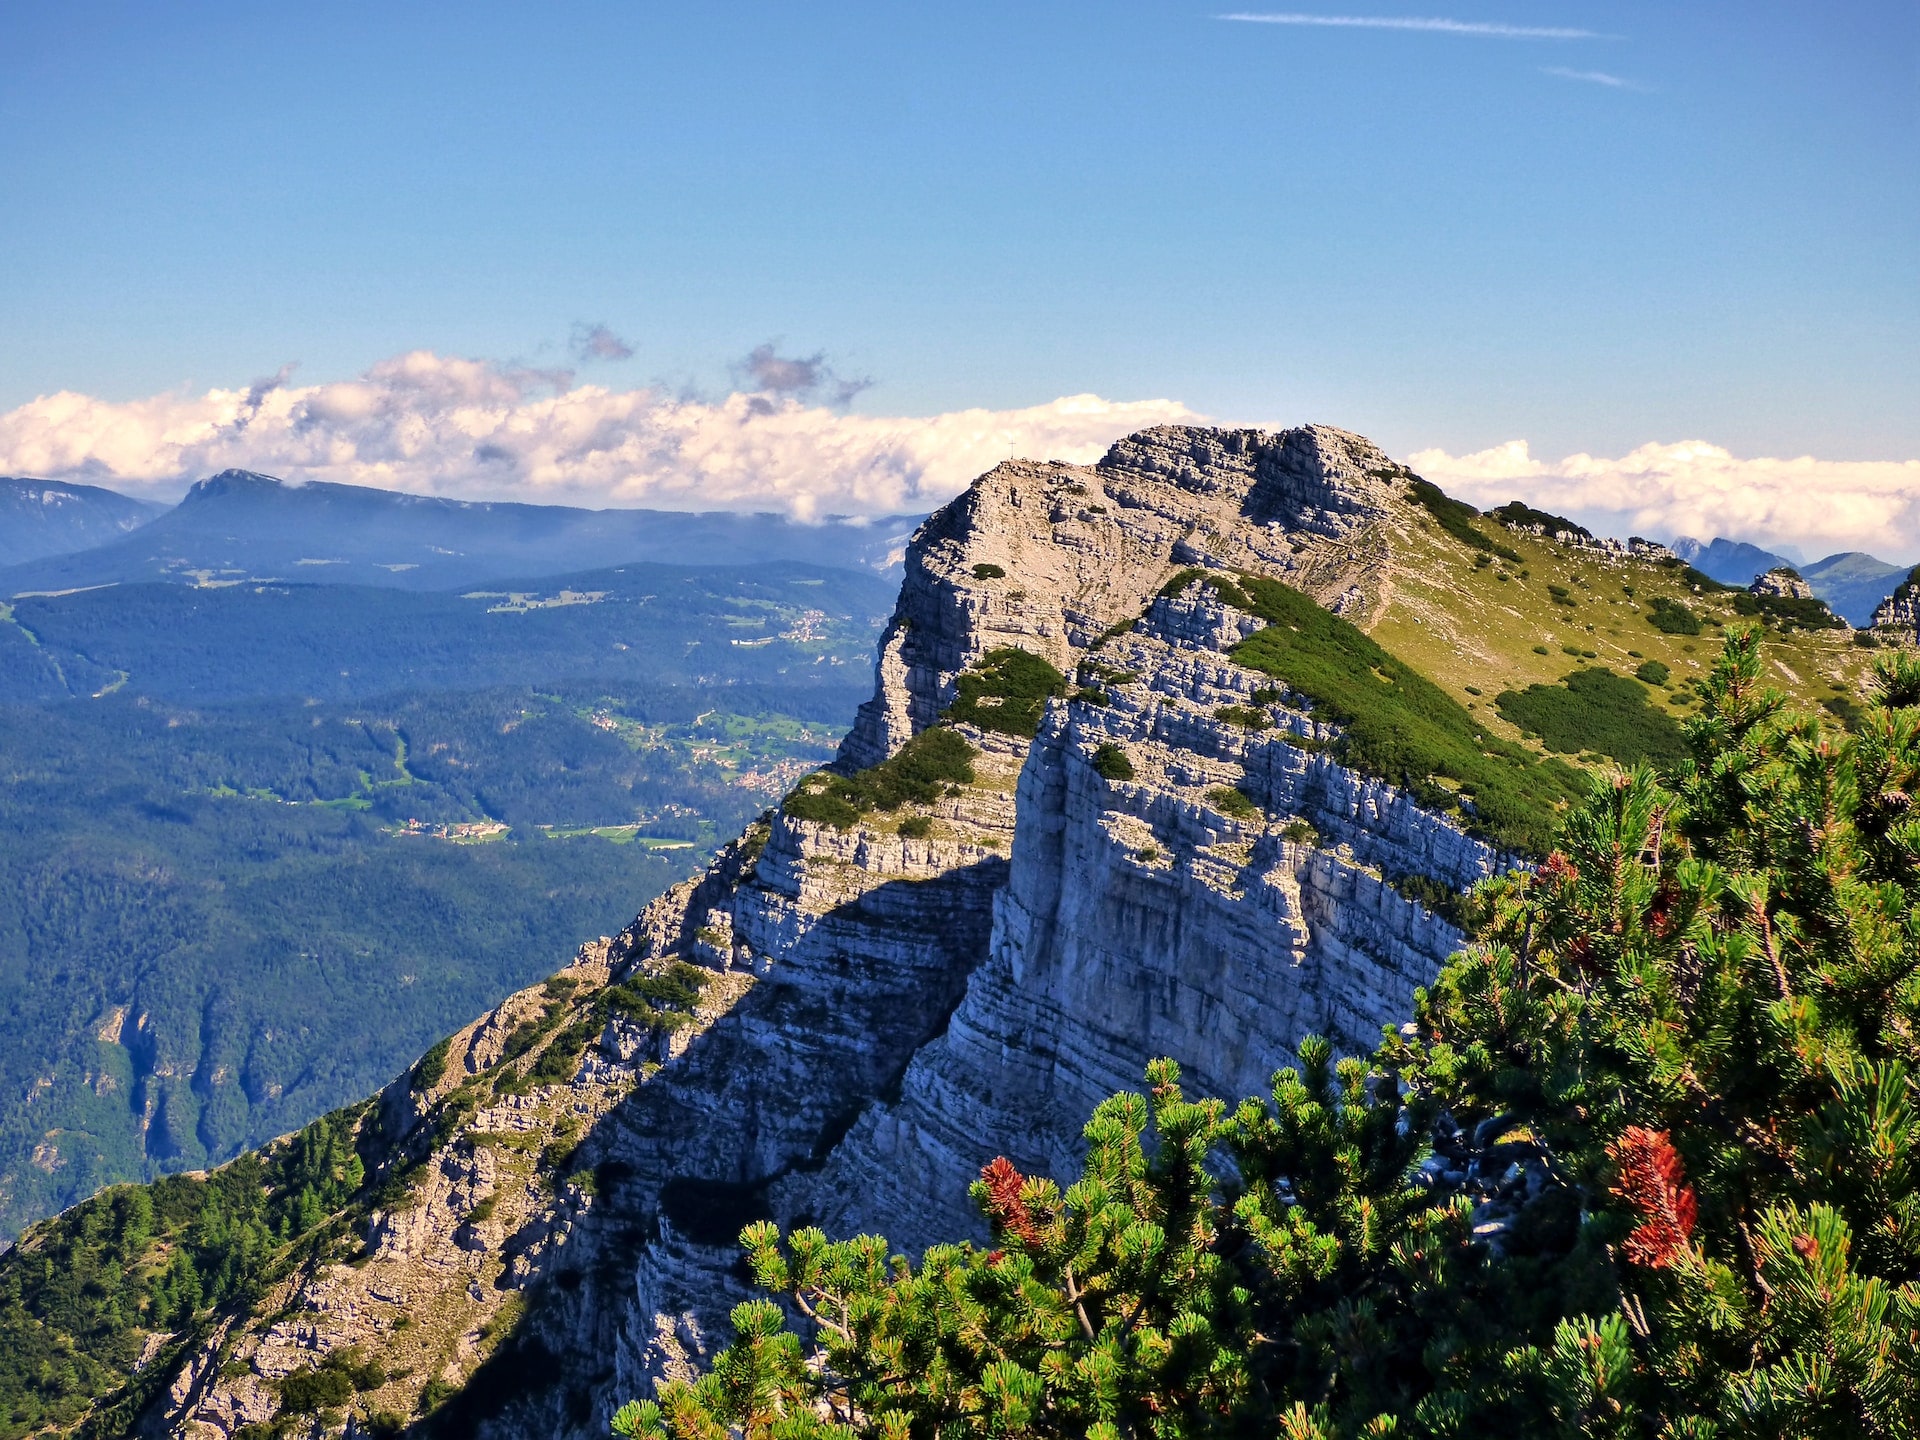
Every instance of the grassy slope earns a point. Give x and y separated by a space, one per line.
1462 626
1400 725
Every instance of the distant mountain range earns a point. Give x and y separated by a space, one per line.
1851 582
49 517
239 526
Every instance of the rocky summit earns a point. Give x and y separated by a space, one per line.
1080 823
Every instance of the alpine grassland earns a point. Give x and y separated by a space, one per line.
1399 725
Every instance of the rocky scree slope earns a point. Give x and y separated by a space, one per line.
1070 831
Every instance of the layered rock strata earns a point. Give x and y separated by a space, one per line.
889 1010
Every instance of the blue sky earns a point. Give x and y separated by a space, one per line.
1441 239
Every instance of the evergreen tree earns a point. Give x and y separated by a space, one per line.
1695 1024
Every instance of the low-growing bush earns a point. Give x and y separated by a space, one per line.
1222 586
1245 716
917 827
987 571
1110 762
1400 726
1521 516
430 1068
1672 617
1595 711
1434 895
660 1000
1788 612
1652 672
1006 691
917 775
1845 710
1232 803
1455 517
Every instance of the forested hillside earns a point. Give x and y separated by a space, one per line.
645 624
259 848
52 517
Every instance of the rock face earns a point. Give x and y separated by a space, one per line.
890 1010
1900 611
1784 582
926 1004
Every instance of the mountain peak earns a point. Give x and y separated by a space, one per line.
233 482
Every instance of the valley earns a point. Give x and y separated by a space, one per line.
259 846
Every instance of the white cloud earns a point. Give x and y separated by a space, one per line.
1436 25
1590 77
1694 488
472 429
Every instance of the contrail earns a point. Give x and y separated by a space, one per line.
1433 26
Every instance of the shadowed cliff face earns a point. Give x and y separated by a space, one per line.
887 1011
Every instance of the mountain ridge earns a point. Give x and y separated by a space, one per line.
1154 838
40 518
1851 582
239 526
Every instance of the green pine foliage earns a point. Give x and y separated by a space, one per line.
917 774
1518 515
1788 612
1456 517
1671 617
1594 710
1006 691
1232 803
1110 762
78 1295
1399 725
1682 1056
1222 586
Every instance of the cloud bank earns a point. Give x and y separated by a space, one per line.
473 429
1694 488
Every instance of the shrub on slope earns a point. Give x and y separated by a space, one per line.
1690 1034
1594 710
1399 725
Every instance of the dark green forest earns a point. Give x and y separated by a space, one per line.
647 624
305 832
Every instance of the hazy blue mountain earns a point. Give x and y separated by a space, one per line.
50 517
1731 562
238 526
781 623
1853 582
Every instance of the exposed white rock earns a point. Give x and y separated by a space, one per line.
887 1012
1782 582
922 1005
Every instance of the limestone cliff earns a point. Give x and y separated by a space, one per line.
891 1004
